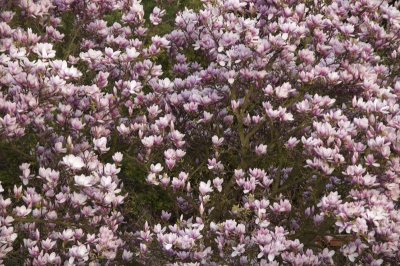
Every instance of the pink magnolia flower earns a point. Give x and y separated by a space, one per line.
73 162
205 188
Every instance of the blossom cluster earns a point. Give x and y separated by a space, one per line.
273 127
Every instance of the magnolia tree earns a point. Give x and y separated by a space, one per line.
273 127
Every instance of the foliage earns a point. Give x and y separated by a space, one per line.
213 132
